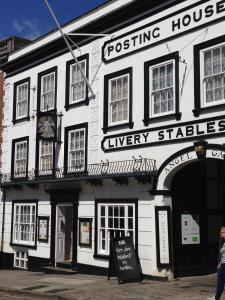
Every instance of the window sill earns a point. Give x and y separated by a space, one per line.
23 245
17 179
198 111
15 121
130 125
75 173
77 104
173 116
44 112
101 256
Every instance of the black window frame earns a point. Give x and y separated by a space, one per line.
40 75
26 201
198 108
129 124
119 202
177 115
27 117
69 105
14 142
66 146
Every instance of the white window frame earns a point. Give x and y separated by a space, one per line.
24 224
22 160
52 92
71 101
26 100
202 78
100 229
151 97
21 259
45 171
78 168
111 123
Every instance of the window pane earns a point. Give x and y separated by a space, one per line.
77 82
22 101
162 89
119 221
119 99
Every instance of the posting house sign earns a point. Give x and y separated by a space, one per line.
200 14
166 134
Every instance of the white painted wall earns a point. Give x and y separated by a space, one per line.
93 114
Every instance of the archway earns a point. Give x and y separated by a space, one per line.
198 202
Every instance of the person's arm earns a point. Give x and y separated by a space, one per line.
219 256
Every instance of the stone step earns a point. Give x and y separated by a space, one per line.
57 270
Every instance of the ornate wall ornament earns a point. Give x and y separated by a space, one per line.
46 127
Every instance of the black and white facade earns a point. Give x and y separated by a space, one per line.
144 157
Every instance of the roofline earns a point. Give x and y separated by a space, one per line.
68 23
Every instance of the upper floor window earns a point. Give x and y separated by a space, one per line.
209 76
77 82
45 157
21 100
20 158
118 99
214 75
47 89
24 223
162 87
76 148
76 88
48 92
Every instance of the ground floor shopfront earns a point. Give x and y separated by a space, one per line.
174 218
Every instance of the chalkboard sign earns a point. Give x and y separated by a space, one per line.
123 261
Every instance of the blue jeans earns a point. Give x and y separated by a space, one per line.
220 281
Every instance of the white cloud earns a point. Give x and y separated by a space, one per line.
29 29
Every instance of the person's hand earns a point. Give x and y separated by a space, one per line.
218 266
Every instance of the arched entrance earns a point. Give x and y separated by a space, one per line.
198 206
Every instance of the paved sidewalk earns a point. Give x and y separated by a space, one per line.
89 287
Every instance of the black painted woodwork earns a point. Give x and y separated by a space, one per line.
25 139
106 109
16 84
195 188
177 115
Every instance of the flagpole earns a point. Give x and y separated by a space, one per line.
70 49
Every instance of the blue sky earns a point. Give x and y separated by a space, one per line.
31 18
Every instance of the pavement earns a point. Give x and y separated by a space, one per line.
36 285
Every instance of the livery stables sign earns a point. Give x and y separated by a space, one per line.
167 134
198 15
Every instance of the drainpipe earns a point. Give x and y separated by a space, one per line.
3 219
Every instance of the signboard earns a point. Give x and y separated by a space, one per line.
194 17
43 224
190 231
169 134
188 156
85 230
46 127
163 236
123 260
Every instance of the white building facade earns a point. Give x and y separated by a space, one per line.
143 158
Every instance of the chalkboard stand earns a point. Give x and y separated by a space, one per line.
114 265
112 272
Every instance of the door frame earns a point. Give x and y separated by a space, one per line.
56 228
59 197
